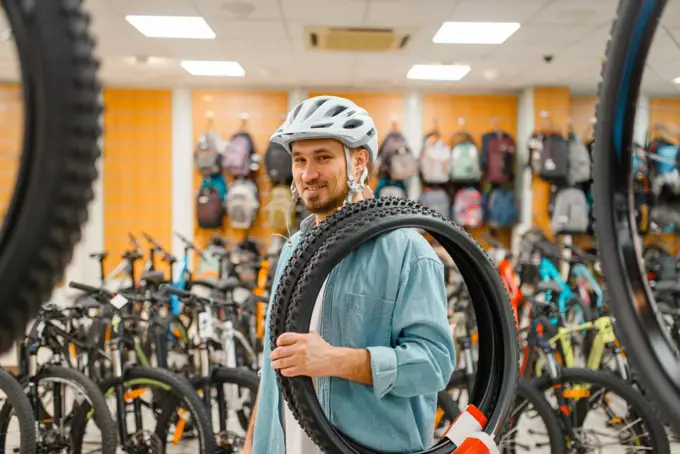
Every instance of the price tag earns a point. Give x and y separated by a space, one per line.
205 325
119 301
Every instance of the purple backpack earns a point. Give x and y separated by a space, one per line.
236 159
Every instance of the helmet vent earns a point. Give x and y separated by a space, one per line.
353 123
338 110
321 125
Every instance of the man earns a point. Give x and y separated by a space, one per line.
379 347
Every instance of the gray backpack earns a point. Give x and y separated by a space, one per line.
570 212
437 200
579 162
465 166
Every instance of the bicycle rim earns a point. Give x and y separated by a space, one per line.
654 356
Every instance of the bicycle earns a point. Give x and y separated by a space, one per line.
173 404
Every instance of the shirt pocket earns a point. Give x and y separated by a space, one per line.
366 321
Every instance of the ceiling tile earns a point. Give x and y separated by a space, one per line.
233 10
407 13
576 12
260 30
156 7
497 10
325 12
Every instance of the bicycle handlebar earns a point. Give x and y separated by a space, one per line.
166 255
191 245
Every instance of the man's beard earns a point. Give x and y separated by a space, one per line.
317 205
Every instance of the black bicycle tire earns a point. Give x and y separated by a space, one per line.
654 358
326 244
184 389
241 377
54 184
623 389
18 402
102 416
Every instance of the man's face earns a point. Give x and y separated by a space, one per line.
320 174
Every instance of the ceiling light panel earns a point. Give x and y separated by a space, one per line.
213 68
438 72
475 32
187 27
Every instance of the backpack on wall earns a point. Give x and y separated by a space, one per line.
242 204
402 164
237 156
465 165
437 200
278 206
502 208
279 164
393 188
579 161
210 202
393 142
207 155
499 157
554 160
435 162
570 212
468 208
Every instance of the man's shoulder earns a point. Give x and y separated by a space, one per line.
409 243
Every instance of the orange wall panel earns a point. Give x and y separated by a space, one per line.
266 111
665 111
137 169
480 114
11 140
581 111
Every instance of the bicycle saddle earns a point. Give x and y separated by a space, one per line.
231 283
548 286
155 277
668 287
99 255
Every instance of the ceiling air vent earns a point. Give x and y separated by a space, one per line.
357 39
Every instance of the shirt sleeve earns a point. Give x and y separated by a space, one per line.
424 356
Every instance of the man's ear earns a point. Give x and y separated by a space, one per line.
361 160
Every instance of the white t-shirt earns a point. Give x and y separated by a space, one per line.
297 440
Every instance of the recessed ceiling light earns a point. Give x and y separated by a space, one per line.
475 32
237 8
438 72
677 80
172 27
213 68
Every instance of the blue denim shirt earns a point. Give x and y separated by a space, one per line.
389 297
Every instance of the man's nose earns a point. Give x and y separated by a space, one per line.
310 173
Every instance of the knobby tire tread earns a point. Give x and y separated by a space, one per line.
602 207
60 149
337 234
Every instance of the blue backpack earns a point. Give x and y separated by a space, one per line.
502 209
668 155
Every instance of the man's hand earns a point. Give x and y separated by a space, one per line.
308 354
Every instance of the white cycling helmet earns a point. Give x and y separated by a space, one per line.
331 117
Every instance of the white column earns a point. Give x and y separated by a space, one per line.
295 97
183 194
523 190
413 131
641 120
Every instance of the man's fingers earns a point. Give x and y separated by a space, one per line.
281 352
288 339
290 372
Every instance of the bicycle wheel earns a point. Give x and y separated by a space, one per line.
53 187
353 225
168 401
654 355
580 387
16 404
58 394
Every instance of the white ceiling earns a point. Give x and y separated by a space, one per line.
269 44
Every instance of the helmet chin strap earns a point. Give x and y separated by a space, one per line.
354 187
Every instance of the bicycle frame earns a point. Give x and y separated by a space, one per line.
549 272
509 279
582 273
